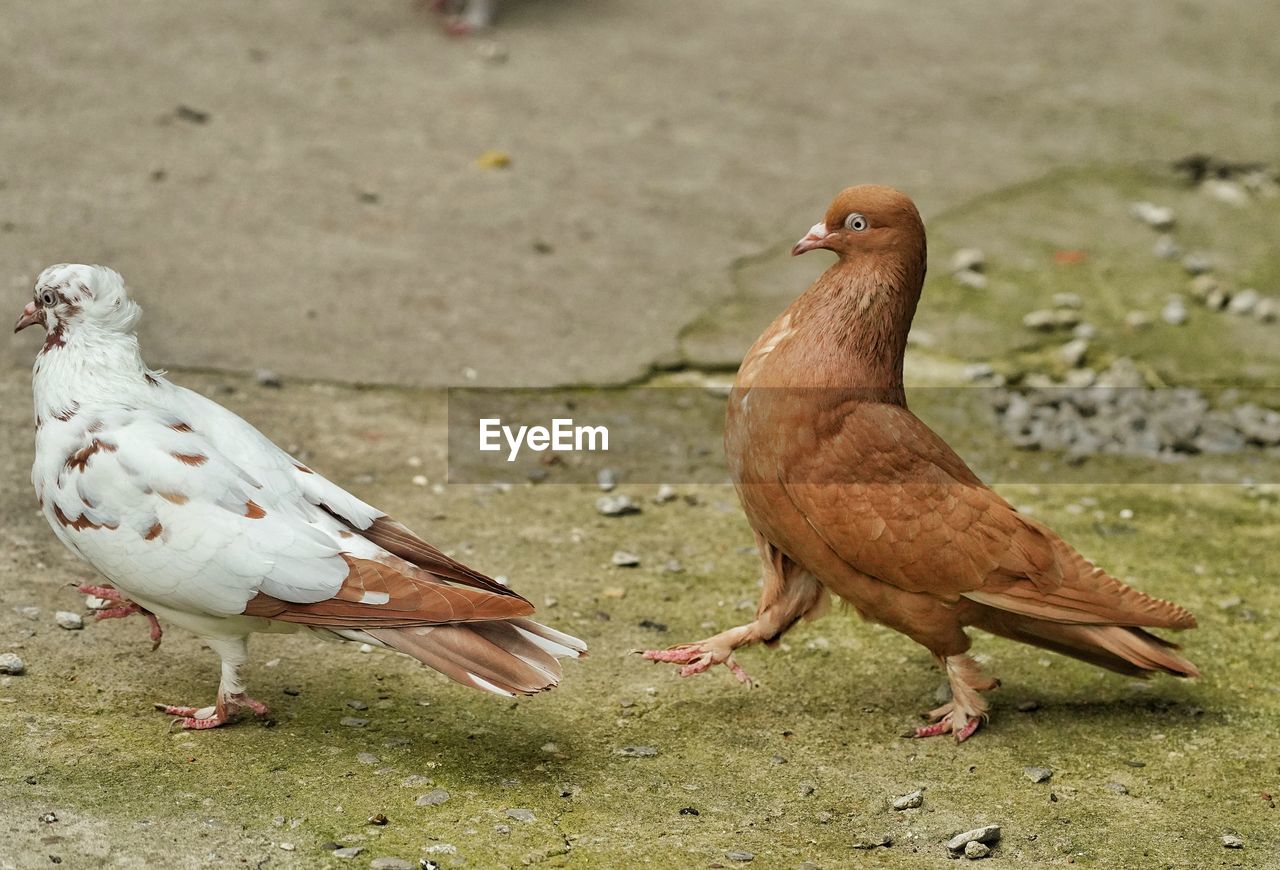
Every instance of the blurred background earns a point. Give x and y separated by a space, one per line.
332 209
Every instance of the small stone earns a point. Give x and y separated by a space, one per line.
348 852
520 814
417 780
1037 774
1202 285
614 592
1232 841
1073 353
48 818
874 843
1157 217
1197 263
673 566
1174 312
1067 300
1116 788
1049 319
807 789
636 751
1217 299
973 850
288 847
353 722
1243 302
988 834
777 759
356 704
1166 248
623 559
909 801
93 602
68 620
616 505
268 378
390 864
1136 321
12 665
1226 192
366 758
972 279
433 798
32 613
1028 706
689 811
665 493
979 371
502 829
968 260
1084 329
419 480
1267 310
740 855
606 479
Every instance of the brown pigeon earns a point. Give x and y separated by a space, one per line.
848 492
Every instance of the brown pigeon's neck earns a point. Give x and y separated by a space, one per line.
868 310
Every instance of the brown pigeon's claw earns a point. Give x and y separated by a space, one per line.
965 712
701 656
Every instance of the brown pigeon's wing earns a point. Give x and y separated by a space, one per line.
895 502
391 594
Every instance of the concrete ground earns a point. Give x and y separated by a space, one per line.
298 186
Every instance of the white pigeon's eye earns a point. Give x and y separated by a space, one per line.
856 222
48 299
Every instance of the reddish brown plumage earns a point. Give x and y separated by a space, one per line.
849 491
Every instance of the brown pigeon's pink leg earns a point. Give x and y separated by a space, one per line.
967 710
790 593
123 607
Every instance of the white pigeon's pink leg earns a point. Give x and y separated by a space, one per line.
121 608
232 699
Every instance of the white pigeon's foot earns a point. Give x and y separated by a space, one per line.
122 607
222 713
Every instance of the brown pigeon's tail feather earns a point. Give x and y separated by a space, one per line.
508 657
1124 649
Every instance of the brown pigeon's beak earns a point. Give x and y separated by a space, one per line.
815 238
31 315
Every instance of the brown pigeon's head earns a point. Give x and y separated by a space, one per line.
71 296
868 219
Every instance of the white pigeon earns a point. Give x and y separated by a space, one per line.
196 517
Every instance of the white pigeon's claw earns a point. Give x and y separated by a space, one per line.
193 514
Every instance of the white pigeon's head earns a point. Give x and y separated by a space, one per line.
71 296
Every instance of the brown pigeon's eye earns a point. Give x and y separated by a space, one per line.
48 299
856 222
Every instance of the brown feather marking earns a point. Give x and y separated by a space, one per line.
414 598
153 532
190 458
67 413
80 523
79 460
181 427
175 497
151 380
253 511
303 468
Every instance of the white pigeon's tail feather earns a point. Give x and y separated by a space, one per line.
507 657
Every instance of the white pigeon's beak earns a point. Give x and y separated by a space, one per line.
31 315
815 238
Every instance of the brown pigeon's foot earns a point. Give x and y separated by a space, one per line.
967 710
700 656
223 713
122 607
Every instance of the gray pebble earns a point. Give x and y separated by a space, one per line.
970 278
366 758
1166 248
1243 302
673 566
968 260
1225 191
520 814
1197 263
1116 788
267 378
909 801
606 479
353 722
1073 353
973 850
1049 319
348 852
988 834
11 664
417 780
390 864
31 613
1267 310
1217 299
1037 774
636 751
1135 321
68 620
433 798
623 559
1067 300
807 788
616 505
502 829
665 493
1174 312
740 855
355 704
883 842
1232 841
1158 217
1202 285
